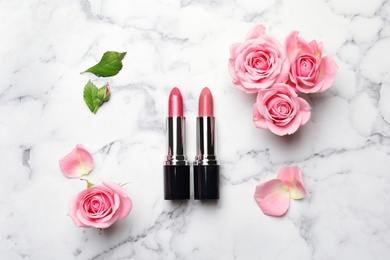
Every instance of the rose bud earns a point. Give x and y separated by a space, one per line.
104 93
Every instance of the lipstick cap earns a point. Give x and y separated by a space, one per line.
206 182
176 182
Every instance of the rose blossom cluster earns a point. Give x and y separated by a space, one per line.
277 74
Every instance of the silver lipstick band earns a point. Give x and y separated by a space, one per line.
206 142
176 141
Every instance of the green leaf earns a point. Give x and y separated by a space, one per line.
90 97
109 65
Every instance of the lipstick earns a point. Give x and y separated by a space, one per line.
176 168
206 167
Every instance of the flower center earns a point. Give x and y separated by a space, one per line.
97 204
281 109
307 66
260 63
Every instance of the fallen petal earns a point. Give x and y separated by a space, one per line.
292 178
272 197
77 163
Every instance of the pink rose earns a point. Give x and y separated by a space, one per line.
258 62
309 71
100 205
280 110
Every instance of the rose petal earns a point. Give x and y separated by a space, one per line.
287 129
318 48
302 45
253 87
328 69
257 31
292 45
305 111
258 120
77 163
125 202
292 177
272 197
73 208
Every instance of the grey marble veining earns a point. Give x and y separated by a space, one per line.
344 150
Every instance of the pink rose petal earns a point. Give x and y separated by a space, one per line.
258 120
305 111
256 32
73 208
77 163
125 202
292 178
327 73
272 197
287 129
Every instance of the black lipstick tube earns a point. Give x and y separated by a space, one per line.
206 167
177 167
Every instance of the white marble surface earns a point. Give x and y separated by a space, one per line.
344 150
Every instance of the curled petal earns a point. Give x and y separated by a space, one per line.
292 178
125 202
305 111
77 163
258 120
257 31
292 45
272 197
296 45
327 73
73 209
287 129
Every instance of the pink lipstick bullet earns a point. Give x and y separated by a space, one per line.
176 168
206 167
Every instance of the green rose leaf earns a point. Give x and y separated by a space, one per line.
109 65
93 96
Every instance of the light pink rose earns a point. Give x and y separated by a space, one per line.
309 71
280 110
258 62
100 205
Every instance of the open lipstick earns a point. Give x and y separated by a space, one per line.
206 167
176 168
